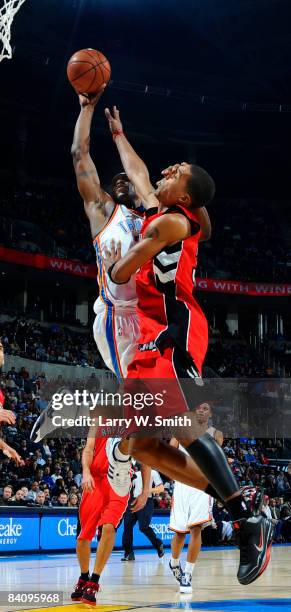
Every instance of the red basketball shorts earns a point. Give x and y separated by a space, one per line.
162 374
100 507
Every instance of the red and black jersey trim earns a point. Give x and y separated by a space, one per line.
195 227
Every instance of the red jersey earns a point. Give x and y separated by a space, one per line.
2 399
99 465
169 313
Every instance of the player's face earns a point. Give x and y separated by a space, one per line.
123 192
203 413
172 188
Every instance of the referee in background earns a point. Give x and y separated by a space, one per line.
143 517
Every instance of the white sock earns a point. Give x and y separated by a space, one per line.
189 568
118 455
175 562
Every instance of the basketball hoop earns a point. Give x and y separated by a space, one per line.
7 12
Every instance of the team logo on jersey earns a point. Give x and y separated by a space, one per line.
148 346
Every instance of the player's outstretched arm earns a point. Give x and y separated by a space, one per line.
98 204
163 231
133 165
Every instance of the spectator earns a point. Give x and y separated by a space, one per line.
62 500
6 495
18 499
47 479
73 500
33 492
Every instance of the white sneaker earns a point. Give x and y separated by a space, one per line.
119 472
186 584
176 571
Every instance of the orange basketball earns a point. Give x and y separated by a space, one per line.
88 70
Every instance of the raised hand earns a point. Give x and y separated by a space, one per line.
90 99
112 254
113 119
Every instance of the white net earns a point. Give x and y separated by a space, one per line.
7 12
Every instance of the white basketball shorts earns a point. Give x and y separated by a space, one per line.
190 507
116 333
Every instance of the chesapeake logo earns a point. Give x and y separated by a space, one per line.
161 529
66 528
10 531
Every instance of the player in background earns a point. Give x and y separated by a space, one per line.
174 338
100 508
191 511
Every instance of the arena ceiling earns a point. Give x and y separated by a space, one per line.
238 49
182 71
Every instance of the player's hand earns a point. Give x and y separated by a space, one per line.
11 453
112 254
139 503
1 354
7 416
88 483
168 172
113 119
91 99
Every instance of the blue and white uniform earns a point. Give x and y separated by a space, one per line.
116 328
190 506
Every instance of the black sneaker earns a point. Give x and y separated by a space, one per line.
177 572
255 540
79 588
160 549
129 557
89 593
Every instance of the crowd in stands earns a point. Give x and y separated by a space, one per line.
52 344
52 471
247 243
247 240
229 355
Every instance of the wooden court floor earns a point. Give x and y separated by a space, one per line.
147 584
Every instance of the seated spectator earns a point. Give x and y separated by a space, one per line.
47 479
73 500
18 499
33 491
57 473
25 492
39 458
40 499
6 495
62 500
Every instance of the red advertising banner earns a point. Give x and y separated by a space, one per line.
77 268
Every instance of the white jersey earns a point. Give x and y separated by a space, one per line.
190 507
124 226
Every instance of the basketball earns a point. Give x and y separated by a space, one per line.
88 70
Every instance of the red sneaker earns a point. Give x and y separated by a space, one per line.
79 588
89 593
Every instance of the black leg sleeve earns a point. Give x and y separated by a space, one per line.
211 460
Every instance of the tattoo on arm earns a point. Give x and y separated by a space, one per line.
86 173
152 232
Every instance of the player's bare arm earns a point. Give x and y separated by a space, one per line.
141 500
133 165
97 203
87 458
161 232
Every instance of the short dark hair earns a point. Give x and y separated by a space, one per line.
201 186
